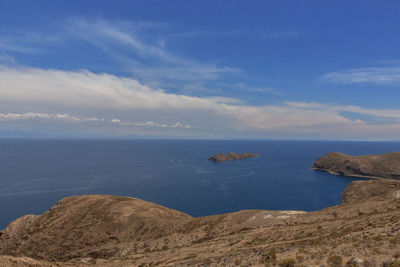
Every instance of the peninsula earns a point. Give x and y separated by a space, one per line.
232 156
373 166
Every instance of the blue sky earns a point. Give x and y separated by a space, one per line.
201 69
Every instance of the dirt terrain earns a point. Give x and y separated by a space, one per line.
121 231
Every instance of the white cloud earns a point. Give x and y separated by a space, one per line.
23 116
150 124
180 125
86 98
84 89
384 75
44 117
29 116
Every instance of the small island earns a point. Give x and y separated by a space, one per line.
372 166
232 156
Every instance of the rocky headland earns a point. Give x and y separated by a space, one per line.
374 166
232 156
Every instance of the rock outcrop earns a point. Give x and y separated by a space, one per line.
104 230
232 156
378 166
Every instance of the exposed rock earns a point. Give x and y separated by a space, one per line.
377 166
232 156
122 231
355 262
361 190
10 261
16 229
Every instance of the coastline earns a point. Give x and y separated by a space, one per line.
127 231
350 175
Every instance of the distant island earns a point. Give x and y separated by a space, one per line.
232 156
373 166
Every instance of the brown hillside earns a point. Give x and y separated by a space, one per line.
123 231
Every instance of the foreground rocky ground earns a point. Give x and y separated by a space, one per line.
120 231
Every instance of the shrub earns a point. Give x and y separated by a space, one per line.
334 261
269 256
287 263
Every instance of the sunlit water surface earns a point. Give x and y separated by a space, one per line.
34 174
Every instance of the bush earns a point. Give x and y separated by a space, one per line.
269 256
287 263
334 261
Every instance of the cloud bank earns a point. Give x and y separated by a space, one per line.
121 106
49 118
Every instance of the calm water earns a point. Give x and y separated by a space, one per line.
34 174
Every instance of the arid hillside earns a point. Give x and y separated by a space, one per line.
121 231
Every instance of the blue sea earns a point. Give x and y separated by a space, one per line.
36 173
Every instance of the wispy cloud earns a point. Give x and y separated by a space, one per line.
384 75
12 46
7 60
139 49
262 34
254 89
26 42
147 61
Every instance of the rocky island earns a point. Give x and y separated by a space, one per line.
374 166
232 156
102 230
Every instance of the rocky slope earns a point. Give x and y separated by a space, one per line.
232 156
121 231
381 166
